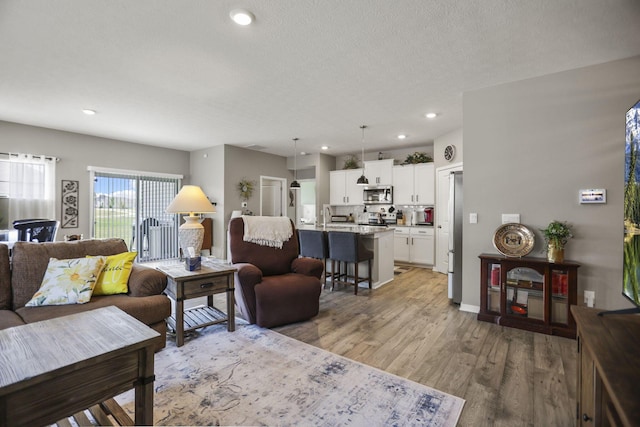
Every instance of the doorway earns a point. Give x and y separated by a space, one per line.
442 217
272 197
305 202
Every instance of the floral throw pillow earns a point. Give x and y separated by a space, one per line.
68 281
114 278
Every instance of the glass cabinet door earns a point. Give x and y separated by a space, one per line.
493 288
559 296
524 293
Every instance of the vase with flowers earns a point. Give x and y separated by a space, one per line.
557 234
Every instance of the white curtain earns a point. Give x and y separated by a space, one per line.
31 187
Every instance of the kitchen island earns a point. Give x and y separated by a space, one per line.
377 239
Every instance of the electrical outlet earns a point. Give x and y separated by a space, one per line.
244 204
589 298
473 218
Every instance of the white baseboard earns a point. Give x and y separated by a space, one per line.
470 308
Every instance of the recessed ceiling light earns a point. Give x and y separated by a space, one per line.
242 17
431 115
89 112
402 136
325 147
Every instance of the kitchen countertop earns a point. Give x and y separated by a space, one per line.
365 230
412 226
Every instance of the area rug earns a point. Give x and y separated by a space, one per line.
256 376
399 269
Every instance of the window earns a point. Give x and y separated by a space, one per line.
27 187
131 205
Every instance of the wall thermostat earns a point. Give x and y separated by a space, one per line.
593 195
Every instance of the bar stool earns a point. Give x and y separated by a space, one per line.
347 247
313 244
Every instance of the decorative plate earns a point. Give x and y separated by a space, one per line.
514 240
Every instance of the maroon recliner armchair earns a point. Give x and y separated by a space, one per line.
273 286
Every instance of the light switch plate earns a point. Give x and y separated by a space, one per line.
510 218
473 218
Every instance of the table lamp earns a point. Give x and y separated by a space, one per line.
191 199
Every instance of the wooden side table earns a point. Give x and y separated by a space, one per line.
57 367
214 277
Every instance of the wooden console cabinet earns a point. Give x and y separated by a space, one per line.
608 387
528 293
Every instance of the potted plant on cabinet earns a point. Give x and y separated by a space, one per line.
556 235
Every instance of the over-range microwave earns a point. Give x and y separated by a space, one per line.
382 195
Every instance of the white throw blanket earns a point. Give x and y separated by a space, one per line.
270 231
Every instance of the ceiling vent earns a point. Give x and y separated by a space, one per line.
255 147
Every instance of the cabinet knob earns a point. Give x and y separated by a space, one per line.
586 418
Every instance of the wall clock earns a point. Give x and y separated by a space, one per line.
449 152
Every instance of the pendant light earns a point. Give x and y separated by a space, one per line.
363 179
295 185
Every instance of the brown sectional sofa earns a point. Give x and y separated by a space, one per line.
21 276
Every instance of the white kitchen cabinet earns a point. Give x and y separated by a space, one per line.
414 184
403 185
414 245
343 189
401 244
422 245
424 183
379 172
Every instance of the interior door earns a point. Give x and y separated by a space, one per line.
272 197
442 218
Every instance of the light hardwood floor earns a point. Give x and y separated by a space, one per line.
508 377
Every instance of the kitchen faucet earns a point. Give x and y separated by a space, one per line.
326 214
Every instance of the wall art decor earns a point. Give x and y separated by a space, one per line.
69 204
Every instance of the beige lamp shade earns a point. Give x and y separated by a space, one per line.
191 199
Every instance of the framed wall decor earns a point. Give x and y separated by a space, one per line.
69 204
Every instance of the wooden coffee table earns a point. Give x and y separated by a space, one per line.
52 369
214 277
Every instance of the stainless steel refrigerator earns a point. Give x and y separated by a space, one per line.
455 237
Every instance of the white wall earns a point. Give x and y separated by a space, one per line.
530 146
77 151
207 171
454 138
219 173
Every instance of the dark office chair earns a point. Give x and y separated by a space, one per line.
36 230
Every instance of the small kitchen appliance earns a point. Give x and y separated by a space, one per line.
428 216
382 218
381 195
339 218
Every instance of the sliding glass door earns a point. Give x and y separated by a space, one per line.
131 206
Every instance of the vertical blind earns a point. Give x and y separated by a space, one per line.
131 206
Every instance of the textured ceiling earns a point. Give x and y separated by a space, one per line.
181 74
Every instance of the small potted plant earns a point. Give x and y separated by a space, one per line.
417 157
557 234
351 162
